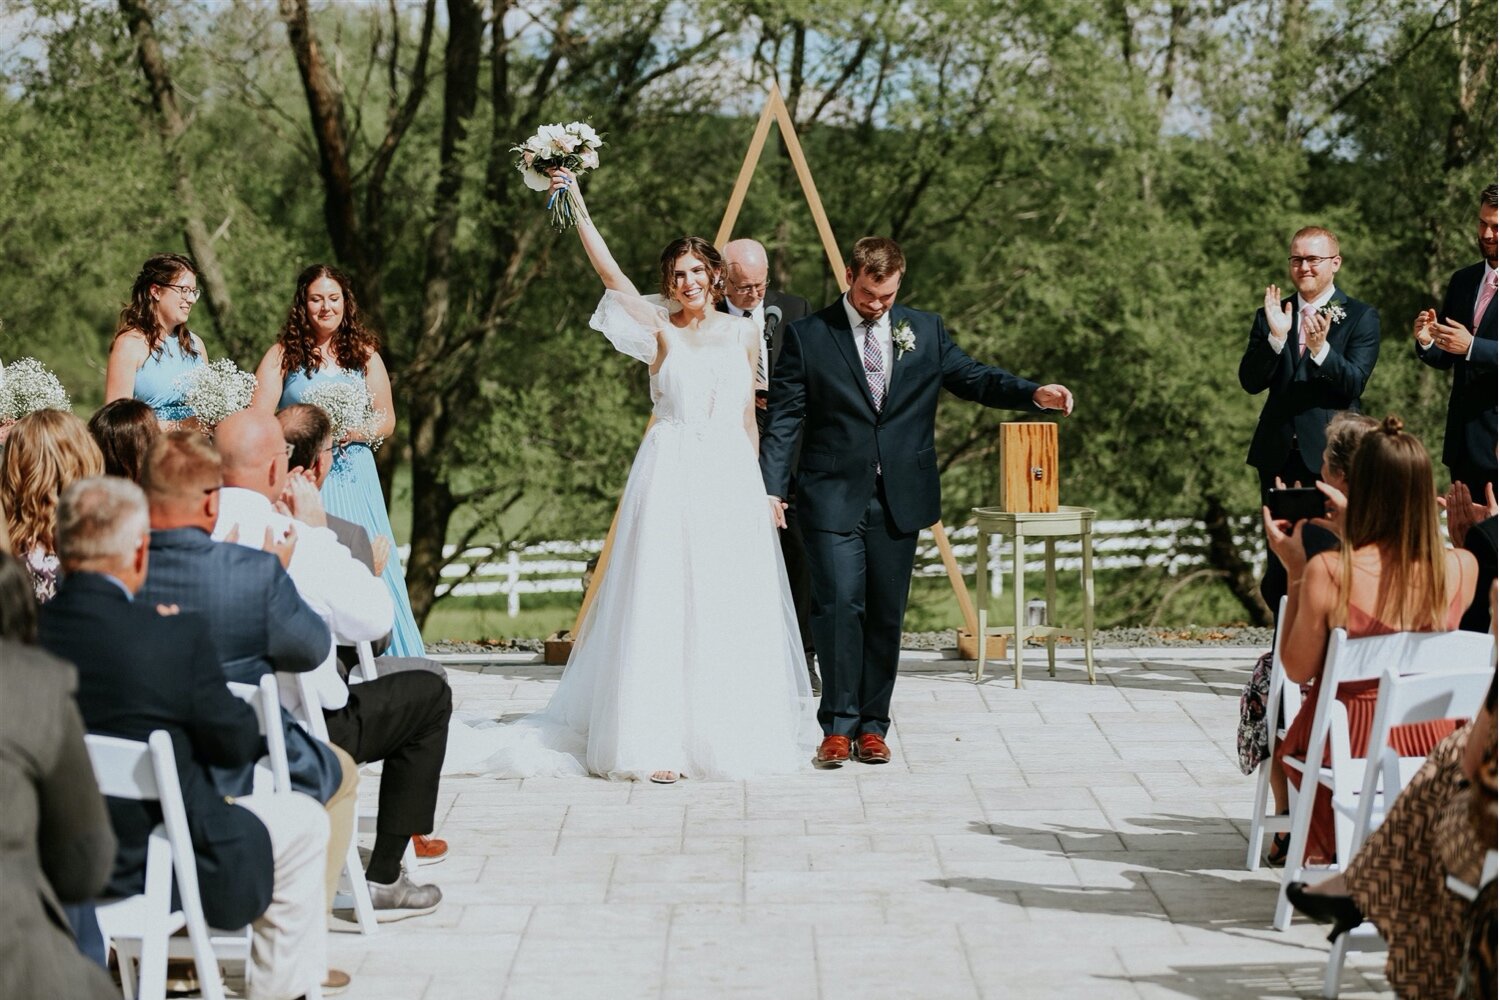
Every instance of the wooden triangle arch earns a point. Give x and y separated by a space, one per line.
776 109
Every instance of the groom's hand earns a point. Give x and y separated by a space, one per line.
1054 397
778 511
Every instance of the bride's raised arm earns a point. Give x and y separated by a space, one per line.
565 184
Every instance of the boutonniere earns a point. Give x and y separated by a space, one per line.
1333 312
903 339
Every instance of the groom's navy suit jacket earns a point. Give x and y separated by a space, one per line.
818 391
1303 396
1469 440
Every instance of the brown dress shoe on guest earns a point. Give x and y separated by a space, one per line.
871 749
336 982
429 850
832 752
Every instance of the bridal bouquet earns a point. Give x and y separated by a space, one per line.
215 390
350 408
574 146
26 385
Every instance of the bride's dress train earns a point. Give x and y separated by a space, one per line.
689 659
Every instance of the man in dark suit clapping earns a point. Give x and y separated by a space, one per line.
1463 338
1312 354
140 670
747 293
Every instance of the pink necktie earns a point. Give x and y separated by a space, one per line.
1308 312
874 365
1486 295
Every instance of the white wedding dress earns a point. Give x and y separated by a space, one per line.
690 658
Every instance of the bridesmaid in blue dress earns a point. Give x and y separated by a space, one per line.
323 340
153 346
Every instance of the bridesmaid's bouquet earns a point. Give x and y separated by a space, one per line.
350 408
27 385
574 146
215 390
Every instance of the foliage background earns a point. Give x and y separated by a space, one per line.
1092 192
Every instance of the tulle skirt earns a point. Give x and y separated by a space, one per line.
690 658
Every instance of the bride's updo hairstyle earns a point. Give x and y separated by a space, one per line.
1393 506
704 251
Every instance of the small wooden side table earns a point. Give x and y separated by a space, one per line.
1065 522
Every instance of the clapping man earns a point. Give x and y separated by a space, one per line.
1462 338
1312 353
401 719
747 293
858 384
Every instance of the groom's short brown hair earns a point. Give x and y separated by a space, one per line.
878 256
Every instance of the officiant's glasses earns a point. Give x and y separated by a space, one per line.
757 289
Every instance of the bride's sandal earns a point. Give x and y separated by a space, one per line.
664 777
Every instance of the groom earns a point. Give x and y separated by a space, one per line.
859 381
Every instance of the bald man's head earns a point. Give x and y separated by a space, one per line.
745 270
254 453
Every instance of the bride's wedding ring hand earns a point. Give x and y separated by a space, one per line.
778 512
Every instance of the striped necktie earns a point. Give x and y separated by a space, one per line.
874 365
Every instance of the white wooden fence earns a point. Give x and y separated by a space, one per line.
557 567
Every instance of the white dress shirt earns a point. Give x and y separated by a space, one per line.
758 317
1301 304
882 336
351 600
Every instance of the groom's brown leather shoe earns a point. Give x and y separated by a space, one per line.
871 749
832 752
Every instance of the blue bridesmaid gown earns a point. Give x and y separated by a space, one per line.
155 381
352 491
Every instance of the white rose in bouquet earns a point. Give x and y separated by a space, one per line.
574 146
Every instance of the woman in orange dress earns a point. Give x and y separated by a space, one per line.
1392 573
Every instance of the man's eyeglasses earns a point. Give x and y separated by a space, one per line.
186 291
1310 261
759 289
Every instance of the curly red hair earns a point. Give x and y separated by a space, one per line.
352 343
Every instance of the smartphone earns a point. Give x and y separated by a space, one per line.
1298 503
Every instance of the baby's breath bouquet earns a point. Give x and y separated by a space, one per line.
215 390
350 408
27 385
574 146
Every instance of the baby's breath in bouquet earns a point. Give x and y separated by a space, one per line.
26 385
216 390
350 409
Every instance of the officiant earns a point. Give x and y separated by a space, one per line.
746 293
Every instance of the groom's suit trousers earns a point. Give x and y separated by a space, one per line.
860 582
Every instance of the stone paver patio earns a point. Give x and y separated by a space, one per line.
1058 841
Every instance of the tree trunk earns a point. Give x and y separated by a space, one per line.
432 499
171 127
1225 557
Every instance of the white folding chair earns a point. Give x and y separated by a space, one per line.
141 927
1283 699
1350 660
1403 700
266 700
367 670
354 892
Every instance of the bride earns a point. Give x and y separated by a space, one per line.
689 663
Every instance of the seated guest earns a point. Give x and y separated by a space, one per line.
401 719
1471 526
17 602
260 856
309 436
1442 824
45 452
59 847
1392 574
259 623
123 430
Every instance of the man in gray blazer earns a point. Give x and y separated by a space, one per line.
61 846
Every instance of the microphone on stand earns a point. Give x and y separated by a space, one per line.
773 320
